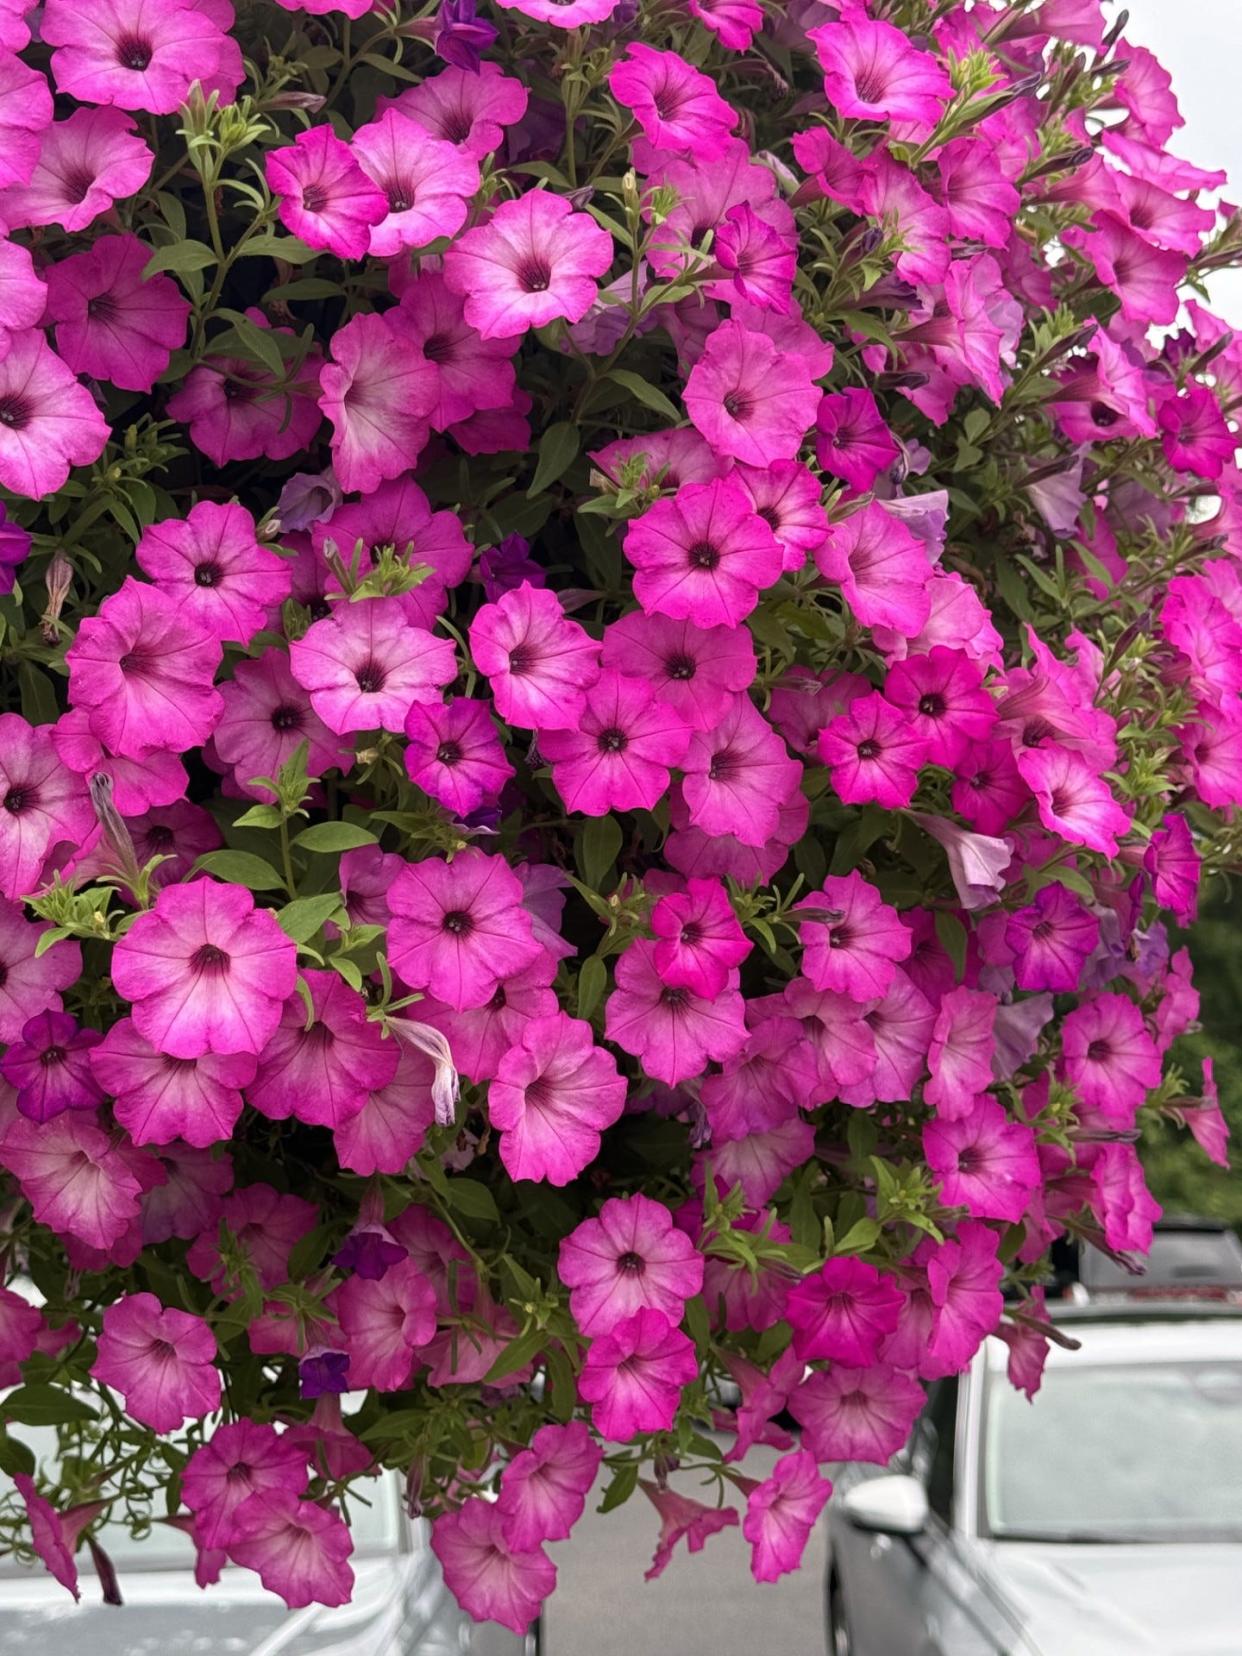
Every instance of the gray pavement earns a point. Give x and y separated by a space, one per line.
706 1605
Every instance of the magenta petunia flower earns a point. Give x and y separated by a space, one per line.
392 1124
110 323
533 261
781 1514
851 939
491 1578
760 262
901 1026
1109 1057
698 938
50 1066
873 72
543 1489
378 392
25 113
143 670
733 22
31 982
942 696
1144 278
696 670
1174 867
984 1162
265 1225
738 775
1195 436
749 399
468 110
323 195
398 515
481 1036
161 1100
74 1176
364 666
962 1048
54 1534
1051 939
161 1361
298 1549
244 1458
210 562
619 756
426 182
682 1518
553 1095
1073 801
322 1073
48 422
453 753
538 663
787 496
845 1310
633 1376
267 716
384 1321
235 411
856 1414
205 971
459 928
703 555
45 805
23 300
671 1031
563 14
873 753
676 105
138 54
472 374
84 164
882 568
630 1257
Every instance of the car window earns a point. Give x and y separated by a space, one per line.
930 1454
1142 1451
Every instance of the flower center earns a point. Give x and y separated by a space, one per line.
674 999
931 705
703 555
162 1350
286 718
721 765
103 307
534 275
868 749
370 678
438 347
160 838
77 184
133 53
207 958
738 406
207 574
631 1264
1103 415
1099 1051
16 801
458 923
680 667
51 1056
448 753
869 84
521 660
314 198
236 391
612 740
398 201
14 412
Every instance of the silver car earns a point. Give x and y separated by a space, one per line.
1104 1519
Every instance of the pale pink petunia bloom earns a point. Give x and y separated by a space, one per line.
378 391
85 163
761 1162
299 1549
739 775
31 982
267 717
491 1579
978 863
984 1161
703 555
631 1256
619 756
24 297
365 665
453 752
901 1027
48 422
235 410
205 970
781 1514
844 1311
468 110
241 1459
672 1031
543 1489
161 1361
25 113
140 55
682 1518
698 938
563 14
75 1178
961 1052
110 322
398 516
634 1374
480 1037
21 1329
472 374
210 562
321 1063
535 259
427 183
55 1534
856 1414
760 261
750 399
161 1100
677 106
874 72
459 928
538 663
45 805
882 567
553 1095
393 1123
384 1321
696 670
323 195
1073 801
855 953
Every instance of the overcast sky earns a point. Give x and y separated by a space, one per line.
1200 44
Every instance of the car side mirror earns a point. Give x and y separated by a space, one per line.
894 1505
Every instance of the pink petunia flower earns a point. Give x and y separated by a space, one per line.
961 1052
264 1225
143 670
696 670
299 1549
843 1311
677 107
210 562
856 1414
110 322
25 113
1125 1207
426 182
50 1066
480 1037
543 1489
48 422
633 1376
963 1279
84 164
453 753
781 1514
384 1321
141 56
1051 939
74 1177
162 1100
942 695
733 22
856 952
738 775
205 970
759 261
365 665
1109 1058
1073 801
533 261
704 555
553 1095
235 410
320 1065
984 1162
672 1031
1174 868
538 663
23 301
873 754
564 14
472 374
630 1257
391 1126
698 938
161 1361
398 515
45 805
55 1534
378 392
682 1518
882 568
30 981
244 1458
491 1578
267 716
468 110
901 1027
459 928
749 399
323 195
873 72
619 756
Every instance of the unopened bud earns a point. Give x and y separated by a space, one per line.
59 579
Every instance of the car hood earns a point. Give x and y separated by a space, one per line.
165 1614
1143 1600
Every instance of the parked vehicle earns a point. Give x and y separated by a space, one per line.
1103 1518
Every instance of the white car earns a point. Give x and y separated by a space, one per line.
1102 1519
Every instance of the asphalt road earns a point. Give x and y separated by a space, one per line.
706 1605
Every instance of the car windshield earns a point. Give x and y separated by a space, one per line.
1135 1452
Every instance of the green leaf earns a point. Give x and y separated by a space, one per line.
39 704
16 1457
860 1236
259 816
179 255
288 248
472 1199
621 1486
646 393
601 840
241 868
952 935
516 1355
334 836
558 449
592 981
44 1406
303 917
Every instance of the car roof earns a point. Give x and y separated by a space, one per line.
1140 1334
